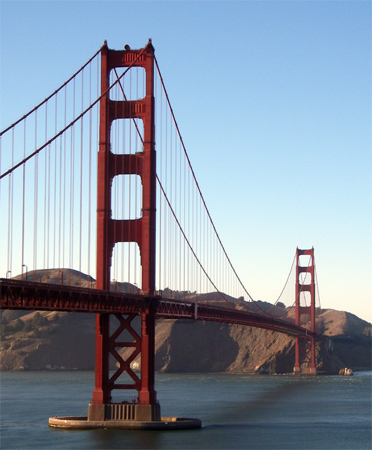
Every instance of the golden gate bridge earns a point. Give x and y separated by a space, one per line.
97 178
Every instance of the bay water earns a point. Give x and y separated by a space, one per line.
237 412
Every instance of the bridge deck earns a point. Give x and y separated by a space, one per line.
26 295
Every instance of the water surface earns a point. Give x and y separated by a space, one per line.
237 412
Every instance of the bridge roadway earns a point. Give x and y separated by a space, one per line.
26 295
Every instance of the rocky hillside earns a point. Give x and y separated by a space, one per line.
40 340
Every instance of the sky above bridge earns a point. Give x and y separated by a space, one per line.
273 100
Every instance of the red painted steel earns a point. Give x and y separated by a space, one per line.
18 294
101 393
142 230
125 324
303 354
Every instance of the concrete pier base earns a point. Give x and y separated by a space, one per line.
304 371
132 416
166 423
124 411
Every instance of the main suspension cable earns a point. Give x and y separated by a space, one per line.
51 95
72 122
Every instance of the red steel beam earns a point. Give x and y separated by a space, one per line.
18 294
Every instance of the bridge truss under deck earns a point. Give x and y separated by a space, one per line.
18 294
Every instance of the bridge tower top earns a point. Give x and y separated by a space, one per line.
141 231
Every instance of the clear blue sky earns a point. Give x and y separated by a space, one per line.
273 100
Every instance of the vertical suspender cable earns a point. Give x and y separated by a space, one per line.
64 182
72 182
10 214
45 184
55 184
185 215
81 176
160 128
89 168
136 185
165 225
175 245
47 192
36 206
23 197
48 150
170 222
60 204
179 234
182 214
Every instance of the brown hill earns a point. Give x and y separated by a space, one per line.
53 340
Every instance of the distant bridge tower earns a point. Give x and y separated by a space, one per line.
140 230
305 348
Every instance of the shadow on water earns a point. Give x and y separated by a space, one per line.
263 403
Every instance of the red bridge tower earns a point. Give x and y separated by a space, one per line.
305 348
141 231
